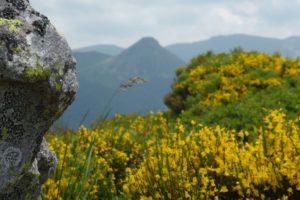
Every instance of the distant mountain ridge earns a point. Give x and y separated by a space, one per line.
287 47
108 49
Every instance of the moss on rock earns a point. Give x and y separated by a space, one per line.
37 72
12 24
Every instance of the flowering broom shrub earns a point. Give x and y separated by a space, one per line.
235 90
135 157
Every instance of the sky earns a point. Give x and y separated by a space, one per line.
123 22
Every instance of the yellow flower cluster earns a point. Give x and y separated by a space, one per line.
91 163
230 90
149 157
217 164
222 80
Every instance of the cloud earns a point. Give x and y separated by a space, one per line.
228 17
122 22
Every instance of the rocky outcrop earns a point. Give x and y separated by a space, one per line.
37 83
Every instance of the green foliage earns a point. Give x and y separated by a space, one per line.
235 90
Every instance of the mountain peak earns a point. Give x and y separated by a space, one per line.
145 58
148 42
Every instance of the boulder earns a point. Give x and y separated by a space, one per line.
37 83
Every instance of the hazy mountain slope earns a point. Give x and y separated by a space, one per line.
91 94
112 50
90 99
90 64
287 47
89 58
100 76
292 44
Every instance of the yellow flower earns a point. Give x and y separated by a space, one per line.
223 189
187 195
193 123
125 188
290 190
277 160
157 195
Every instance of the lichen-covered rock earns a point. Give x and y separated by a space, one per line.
37 83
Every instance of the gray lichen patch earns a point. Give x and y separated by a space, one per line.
23 120
19 4
11 157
